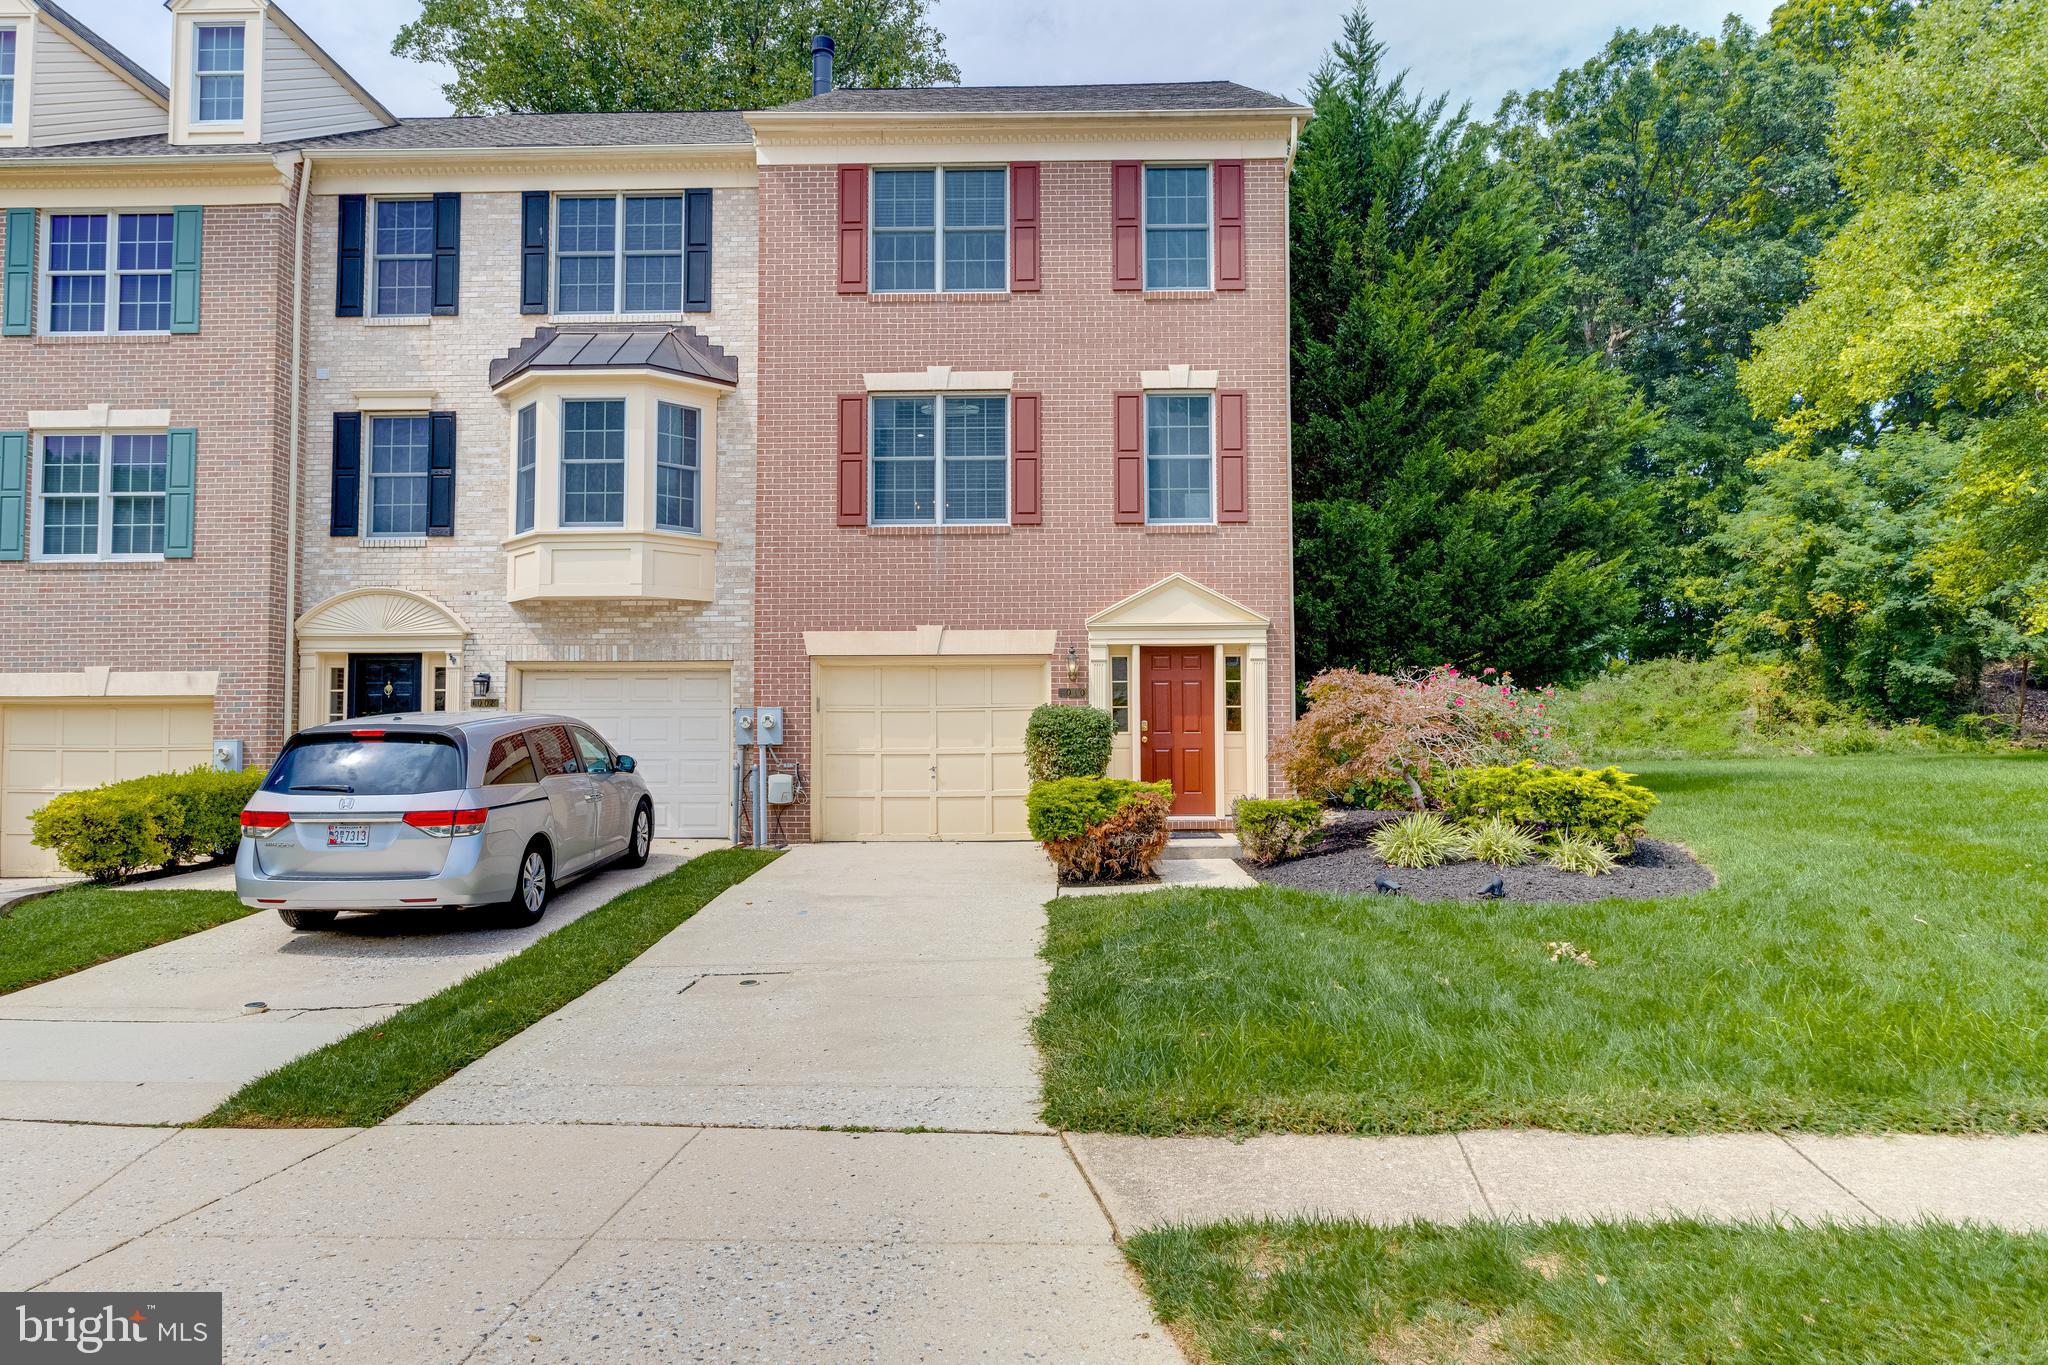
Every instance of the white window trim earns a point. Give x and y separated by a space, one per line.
104 497
618 308
938 516
110 314
696 473
371 535
1208 284
1145 453
939 230
562 463
374 256
198 77
12 79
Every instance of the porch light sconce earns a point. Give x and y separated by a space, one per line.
1073 666
480 686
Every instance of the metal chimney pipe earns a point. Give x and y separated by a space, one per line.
822 49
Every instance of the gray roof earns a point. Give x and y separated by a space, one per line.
104 48
1172 97
483 133
596 346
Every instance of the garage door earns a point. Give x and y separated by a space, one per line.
924 751
675 722
52 747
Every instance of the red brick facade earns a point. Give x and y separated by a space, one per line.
1077 342
224 608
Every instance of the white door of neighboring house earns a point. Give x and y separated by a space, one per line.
923 750
676 722
52 747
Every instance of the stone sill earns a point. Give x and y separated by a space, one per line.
962 296
402 320
94 565
103 338
1171 530
935 530
393 542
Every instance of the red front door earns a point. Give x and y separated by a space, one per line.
1175 723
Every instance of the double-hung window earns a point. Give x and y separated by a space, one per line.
403 253
941 229
528 468
6 76
96 285
102 496
1176 227
400 454
593 462
619 254
1180 458
677 467
941 460
217 65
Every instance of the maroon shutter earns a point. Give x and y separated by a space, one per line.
1024 459
1230 225
1126 207
853 229
1232 500
853 459
1130 457
1024 227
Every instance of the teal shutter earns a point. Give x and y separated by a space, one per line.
13 492
18 290
178 483
186 222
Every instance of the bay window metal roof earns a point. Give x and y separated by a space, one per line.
590 347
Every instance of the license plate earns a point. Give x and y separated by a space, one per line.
348 836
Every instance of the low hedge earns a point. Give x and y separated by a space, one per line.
1067 741
1100 828
165 819
1601 804
1272 830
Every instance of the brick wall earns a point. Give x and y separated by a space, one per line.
222 609
1077 343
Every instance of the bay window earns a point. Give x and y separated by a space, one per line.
594 462
941 229
1180 458
218 68
85 272
526 468
940 460
676 467
1177 227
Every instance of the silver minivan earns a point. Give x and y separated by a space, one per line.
432 811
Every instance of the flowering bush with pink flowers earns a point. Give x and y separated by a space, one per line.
1499 722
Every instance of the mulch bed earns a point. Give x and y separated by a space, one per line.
1344 862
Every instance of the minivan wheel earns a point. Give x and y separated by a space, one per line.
641 841
307 919
533 890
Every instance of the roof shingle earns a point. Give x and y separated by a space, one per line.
1168 97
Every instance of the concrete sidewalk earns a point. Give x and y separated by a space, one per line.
163 1035
1149 1182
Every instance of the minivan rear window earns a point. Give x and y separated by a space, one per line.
346 765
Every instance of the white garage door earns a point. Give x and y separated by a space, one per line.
52 747
675 722
924 751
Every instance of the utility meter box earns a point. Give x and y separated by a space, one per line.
227 755
757 723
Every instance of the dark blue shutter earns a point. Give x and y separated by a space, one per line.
181 477
187 222
348 260
533 252
697 251
447 254
441 475
348 477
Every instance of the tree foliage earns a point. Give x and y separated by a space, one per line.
576 56
1458 473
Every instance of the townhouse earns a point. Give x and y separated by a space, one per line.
899 411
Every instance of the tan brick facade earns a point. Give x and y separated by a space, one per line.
1077 342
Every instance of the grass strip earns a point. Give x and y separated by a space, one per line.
1331 1292
70 930
1875 957
374 1072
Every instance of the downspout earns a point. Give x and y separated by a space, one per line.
291 529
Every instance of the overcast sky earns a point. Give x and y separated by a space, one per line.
1475 50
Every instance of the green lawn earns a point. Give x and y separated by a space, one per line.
71 930
1875 957
1654 1292
374 1072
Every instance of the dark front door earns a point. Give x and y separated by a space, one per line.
1175 724
382 684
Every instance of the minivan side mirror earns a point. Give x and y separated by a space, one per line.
625 763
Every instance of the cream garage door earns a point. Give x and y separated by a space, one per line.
924 751
675 722
52 747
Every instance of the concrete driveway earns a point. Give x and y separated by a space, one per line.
164 1035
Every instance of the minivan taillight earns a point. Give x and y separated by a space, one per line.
261 824
443 824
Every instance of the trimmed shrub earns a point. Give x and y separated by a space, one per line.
1502 842
1421 840
1100 828
110 832
1573 853
1272 830
1067 741
1603 805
